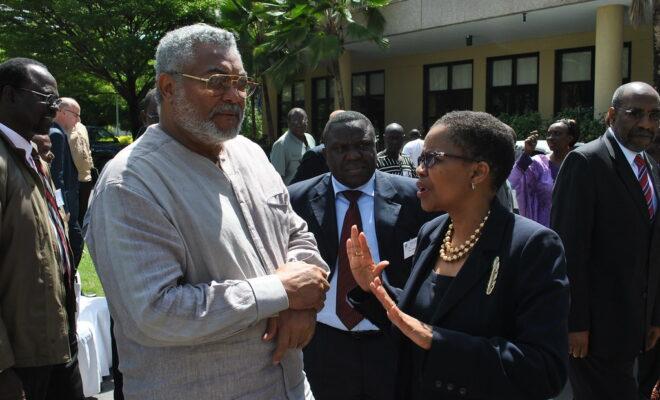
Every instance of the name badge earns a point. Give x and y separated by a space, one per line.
59 198
409 248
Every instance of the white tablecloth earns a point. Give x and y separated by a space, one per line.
94 347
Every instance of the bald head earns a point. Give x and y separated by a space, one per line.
627 90
393 138
634 115
68 114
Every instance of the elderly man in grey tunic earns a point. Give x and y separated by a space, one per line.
212 279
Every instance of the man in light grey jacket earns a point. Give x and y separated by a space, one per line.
212 279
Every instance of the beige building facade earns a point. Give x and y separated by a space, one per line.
500 56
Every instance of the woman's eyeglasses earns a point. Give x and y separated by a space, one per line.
52 100
217 84
430 158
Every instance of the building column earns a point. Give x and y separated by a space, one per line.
609 48
346 72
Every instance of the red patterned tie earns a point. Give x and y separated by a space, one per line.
345 280
645 183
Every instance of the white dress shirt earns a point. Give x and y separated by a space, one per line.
328 315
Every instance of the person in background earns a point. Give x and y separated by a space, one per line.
44 147
81 154
64 171
533 176
148 111
413 148
313 161
604 208
37 299
391 160
288 150
484 312
347 349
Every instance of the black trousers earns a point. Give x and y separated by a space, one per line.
117 376
597 378
350 366
65 381
649 371
83 198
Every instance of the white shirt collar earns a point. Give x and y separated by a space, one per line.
630 155
367 188
19 142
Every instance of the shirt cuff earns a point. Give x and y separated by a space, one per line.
524 161
269 295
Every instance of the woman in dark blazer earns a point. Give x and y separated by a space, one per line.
484 312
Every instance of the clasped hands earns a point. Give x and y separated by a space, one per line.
367 275
305 285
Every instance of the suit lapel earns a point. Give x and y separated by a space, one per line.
322 203
478 263
424 262
386 213
626 174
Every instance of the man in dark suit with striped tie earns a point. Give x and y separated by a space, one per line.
604 207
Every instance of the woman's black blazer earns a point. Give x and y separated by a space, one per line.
510 342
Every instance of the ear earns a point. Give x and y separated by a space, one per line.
7 93
480 173
166 86
610 116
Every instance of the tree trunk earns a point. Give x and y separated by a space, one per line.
335 71
269 117
254 119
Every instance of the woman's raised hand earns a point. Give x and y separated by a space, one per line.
363 267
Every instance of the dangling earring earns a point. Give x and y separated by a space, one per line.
473 186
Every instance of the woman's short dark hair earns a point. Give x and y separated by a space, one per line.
14 72
573 129
483 138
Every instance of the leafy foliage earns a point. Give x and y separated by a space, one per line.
523 124
94 46
289 37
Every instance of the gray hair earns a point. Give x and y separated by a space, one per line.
177 47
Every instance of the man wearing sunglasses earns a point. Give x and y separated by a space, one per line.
605 207
37 300
212 280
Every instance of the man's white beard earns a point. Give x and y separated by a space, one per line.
205 130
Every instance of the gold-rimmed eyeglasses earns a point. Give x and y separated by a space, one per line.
217 84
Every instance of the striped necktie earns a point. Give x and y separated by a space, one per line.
57 222
645 183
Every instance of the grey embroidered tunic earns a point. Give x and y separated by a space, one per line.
186 253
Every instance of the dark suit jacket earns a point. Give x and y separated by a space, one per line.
397 210
312 164
64 171
510 344
612 248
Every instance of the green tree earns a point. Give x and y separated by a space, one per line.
642 11
251 21
309 35
112 41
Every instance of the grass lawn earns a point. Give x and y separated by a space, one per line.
89 280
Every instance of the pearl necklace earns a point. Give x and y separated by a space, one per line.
450 253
